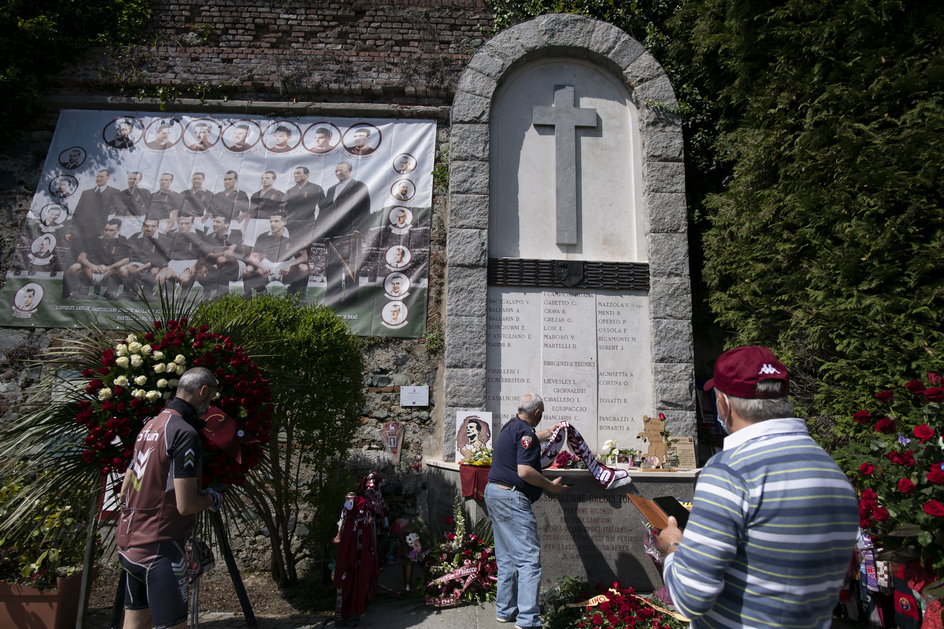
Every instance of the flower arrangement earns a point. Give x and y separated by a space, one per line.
896 461
135 376
462 566
574 603
480 457
567 461
611 453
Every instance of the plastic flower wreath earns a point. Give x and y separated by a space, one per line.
137 375
896 461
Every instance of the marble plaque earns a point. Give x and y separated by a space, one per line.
586 353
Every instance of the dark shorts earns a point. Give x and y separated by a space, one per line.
157 580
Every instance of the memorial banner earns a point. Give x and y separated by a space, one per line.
335 211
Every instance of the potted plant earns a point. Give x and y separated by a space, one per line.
614 456
40 558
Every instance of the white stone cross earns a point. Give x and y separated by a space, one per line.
565 118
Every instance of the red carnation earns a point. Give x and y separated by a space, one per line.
936 474
866 469
934 394
885 425
863 417
905 486
923 432
885 396
934 508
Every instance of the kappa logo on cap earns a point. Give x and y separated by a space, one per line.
768 370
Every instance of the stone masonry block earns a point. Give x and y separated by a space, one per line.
469 108
667 212
671 341
528 35
626 51
658 90
663 177
671 298
468 142
566 30
475 82
605 38
466 342
467 291
680 422
467 247
465 387
643 68
661 141
468 210
674 386
668 255
467 177
505 48
485 62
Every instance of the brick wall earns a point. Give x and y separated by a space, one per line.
404 52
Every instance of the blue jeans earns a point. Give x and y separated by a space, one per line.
517 554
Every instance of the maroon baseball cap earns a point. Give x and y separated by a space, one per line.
738 370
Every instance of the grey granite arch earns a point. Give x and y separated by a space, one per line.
664 218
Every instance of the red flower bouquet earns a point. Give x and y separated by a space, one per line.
462 566
138 373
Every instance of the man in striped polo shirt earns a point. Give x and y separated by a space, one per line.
774 520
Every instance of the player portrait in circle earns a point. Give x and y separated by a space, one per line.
122 133
63 186
53 215
162 134
42 247
201 134
396 286
398 257
241 136
28 298
394 314
362 139
404 163
72 157
402 190
321 137
401 219
281 136
474 434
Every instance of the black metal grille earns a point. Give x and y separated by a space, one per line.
568 274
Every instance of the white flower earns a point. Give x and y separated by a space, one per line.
131 338
181 369
160 368
152 396
122 349
134 348
140 380
139 394
136 360
180 360
171 367
162 383
158 355
104 394
122 361
121 381
146 349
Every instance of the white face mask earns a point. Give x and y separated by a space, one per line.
723 424
348 504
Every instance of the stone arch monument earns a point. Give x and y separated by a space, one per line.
567 259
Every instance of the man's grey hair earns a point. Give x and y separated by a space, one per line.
530 404
760 409
195 378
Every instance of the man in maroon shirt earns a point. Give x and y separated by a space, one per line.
160 499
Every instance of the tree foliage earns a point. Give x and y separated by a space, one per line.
39 38
316 370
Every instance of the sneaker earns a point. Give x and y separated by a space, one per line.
535 627
504 619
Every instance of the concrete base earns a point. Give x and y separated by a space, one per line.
586 531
